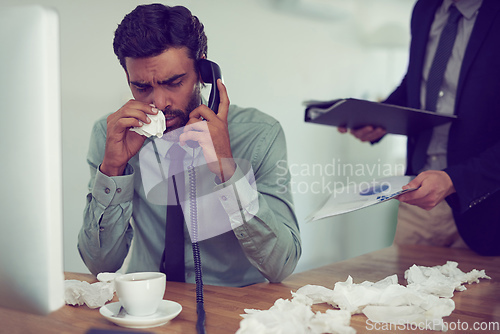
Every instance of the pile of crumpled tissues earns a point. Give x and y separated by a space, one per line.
424 302
93 295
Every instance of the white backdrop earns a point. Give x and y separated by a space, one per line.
274 55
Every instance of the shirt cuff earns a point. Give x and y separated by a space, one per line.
114 190
239 197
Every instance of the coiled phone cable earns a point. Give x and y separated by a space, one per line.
193 212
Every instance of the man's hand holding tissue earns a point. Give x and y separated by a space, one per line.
122 144
433 187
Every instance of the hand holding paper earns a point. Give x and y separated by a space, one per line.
433 187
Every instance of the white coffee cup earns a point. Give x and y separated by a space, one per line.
140 293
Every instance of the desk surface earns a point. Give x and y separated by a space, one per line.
479 303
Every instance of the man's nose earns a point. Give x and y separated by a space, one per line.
161 99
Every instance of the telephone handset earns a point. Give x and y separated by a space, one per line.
210 72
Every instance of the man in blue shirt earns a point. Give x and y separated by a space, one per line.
159 48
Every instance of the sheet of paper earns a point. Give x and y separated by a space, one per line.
362 195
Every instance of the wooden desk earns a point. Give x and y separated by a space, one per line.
479 303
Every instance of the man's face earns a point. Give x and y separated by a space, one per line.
169 81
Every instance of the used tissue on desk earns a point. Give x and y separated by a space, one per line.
443 280
295 317
93 295
425 300
384 301
155 128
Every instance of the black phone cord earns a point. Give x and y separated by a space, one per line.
193 211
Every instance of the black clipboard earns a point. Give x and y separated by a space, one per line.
354 113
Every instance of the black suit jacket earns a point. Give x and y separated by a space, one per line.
473 145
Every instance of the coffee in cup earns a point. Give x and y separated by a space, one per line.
140 293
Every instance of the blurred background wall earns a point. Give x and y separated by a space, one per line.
274 55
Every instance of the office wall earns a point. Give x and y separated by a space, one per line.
274 55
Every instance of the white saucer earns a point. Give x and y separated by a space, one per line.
166 312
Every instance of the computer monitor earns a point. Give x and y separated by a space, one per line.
31 260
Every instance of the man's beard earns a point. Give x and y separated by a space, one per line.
170 133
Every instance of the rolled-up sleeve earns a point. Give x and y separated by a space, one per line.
264 222
106 233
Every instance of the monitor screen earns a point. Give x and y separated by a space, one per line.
31 260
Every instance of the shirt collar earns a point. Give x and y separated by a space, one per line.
468 8
163 145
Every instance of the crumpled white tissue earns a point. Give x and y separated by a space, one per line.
93 295
318 294
155 128
294 317
332 321
389 302
423 302
442 280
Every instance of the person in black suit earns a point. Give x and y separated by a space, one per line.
458 171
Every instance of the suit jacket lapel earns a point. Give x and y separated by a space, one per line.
487 13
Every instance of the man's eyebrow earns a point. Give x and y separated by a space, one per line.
140 84
171 79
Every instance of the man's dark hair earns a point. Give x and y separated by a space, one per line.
149 30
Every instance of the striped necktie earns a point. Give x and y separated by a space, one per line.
443 53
